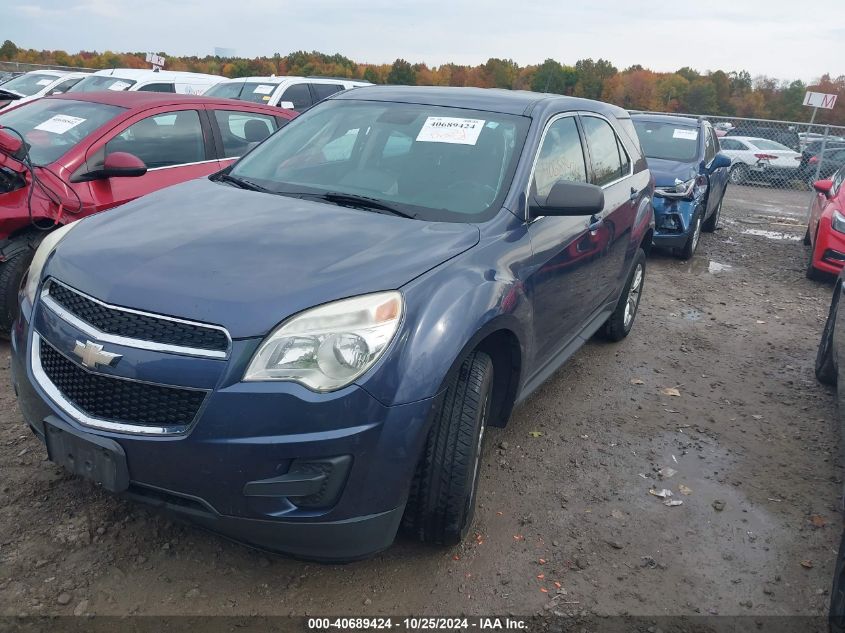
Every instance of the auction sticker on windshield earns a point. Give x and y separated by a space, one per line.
59 123
689 135
444 129
119 85
263 90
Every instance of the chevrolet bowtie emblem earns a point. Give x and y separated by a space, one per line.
92 355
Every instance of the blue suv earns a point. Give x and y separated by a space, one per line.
303 351
690 177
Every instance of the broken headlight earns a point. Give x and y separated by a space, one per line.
690 189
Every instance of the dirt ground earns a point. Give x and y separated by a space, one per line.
715 383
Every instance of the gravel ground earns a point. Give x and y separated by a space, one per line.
714 390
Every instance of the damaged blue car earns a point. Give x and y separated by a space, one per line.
690 177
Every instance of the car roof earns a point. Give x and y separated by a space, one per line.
58 74
486 99
666 118
277 79
143 100
146 73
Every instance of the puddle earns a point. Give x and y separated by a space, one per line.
691 314
772 235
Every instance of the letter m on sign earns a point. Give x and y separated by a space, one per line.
829 101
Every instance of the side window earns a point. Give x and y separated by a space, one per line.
709 144
163 140
730 144
604 151
160 87
321 91
623 158
241 131
299 95
560 158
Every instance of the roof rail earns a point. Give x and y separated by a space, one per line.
336 78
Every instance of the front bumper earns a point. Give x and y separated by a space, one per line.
829 249
247 433
672 220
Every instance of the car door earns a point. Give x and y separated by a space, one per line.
174 142
612 170
566 250
718 178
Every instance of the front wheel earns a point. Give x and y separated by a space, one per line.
619 324
825 367
11 275
812 272
713 221
688 249
441 502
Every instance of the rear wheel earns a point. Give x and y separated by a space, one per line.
621 321
739 174
825 368
11 275
441 503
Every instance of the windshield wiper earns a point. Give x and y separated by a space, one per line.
240 182
364 202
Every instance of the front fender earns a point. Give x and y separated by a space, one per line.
446 314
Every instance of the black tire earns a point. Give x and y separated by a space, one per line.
812 273
738 175
688 250
712 222
619 324
825 367
441 503
807 237
11 274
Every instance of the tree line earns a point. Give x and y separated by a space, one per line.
719 93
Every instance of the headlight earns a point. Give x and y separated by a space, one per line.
328 347
47 246
692 188
837 222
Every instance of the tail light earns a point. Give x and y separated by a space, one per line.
813 160
765 157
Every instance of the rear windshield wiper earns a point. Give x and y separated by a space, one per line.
364 202
240 182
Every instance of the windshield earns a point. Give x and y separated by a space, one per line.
256 92
95 83
668 141
28 84
434 163
52 126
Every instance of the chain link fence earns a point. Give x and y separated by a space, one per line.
782 154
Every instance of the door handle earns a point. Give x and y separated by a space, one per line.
634 193
595 222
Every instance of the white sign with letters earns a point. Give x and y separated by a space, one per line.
820 100
446 129
155 60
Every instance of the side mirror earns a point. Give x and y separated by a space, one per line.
118 165
719 161
570 198
287 105
823 186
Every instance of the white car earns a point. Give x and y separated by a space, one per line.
293 93
760 160
133 79
36 84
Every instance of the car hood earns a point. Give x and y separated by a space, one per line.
246 260
665 172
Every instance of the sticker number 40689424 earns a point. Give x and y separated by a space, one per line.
444 129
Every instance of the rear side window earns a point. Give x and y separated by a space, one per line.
163 140
560 158
730 144
299 95
226 90
321 91
241 131
159 87
709 144
604 151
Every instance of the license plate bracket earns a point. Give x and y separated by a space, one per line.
99 459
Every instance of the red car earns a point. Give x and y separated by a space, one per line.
826 230
88 152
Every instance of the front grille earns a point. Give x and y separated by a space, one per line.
115 399
138 326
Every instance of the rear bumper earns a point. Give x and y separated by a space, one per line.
250 433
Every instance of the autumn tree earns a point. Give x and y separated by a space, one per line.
591 76
402 73
8 50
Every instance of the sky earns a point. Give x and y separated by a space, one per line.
786 40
